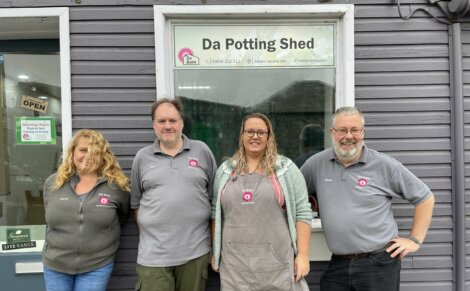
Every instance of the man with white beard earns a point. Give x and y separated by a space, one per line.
354 186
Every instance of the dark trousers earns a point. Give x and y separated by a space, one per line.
374 272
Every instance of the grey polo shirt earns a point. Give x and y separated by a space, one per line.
173 197
355 202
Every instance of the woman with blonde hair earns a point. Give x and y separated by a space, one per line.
261 215
86 202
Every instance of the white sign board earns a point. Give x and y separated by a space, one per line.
235 46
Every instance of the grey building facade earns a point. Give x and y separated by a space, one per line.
412 81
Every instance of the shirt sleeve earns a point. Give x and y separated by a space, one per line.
211 170
136 190
408 186
309 174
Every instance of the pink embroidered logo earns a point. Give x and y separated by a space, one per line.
104 200
362 182
193 163
247 196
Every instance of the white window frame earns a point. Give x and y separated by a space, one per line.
163 14
64 34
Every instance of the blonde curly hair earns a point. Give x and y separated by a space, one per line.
268 159
99 149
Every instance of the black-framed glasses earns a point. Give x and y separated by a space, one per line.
252 132
344 131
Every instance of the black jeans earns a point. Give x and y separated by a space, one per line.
375 272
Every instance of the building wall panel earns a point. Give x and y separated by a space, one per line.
402 85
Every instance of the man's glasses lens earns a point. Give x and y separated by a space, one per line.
344 131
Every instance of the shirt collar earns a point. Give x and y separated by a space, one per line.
186 145
75 179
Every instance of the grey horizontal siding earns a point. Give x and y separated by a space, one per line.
402 85
112 26
400 91
381 130
407 118
121 95
111 13
400 51
113 67
412 104
110 122
113 54
466 91
400 65
113 87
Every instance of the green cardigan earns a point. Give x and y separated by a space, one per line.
294 190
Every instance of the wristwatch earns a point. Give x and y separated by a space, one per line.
415 240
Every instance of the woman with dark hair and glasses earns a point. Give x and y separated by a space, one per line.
261 215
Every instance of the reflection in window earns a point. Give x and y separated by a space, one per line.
299 103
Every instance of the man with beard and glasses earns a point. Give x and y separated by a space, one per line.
354 186
171 193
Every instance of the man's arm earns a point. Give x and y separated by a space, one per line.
136 213
421 220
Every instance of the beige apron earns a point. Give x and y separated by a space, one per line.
257 252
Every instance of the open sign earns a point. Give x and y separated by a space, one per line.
34 104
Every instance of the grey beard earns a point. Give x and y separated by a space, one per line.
347 155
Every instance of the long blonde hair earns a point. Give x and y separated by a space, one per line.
99 149
268 159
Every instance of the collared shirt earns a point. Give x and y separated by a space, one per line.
173 197
355 201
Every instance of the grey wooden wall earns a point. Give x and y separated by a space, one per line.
466 93
113 87
402 85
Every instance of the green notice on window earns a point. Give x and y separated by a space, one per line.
35 130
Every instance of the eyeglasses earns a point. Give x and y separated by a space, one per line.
344 131
251 133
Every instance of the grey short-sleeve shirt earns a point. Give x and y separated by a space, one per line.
173 197
355 202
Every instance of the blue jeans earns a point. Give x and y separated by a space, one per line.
377 271
95 280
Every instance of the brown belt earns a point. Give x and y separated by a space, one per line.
361 255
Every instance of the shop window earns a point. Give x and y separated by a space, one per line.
35 118
293 63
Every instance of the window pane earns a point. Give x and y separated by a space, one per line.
29 89
216 101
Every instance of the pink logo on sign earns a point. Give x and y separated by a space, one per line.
104 200
183 52
247 196
193 163
362 182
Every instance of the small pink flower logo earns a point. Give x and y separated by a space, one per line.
183 52
193 163
247 196
362 182
104 200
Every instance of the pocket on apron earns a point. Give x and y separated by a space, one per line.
257 265
252 257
